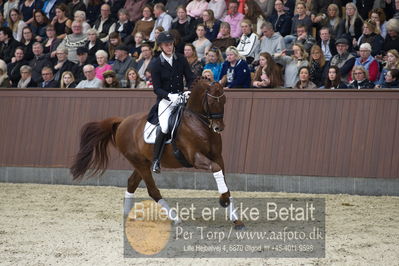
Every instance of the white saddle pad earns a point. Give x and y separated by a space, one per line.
150 133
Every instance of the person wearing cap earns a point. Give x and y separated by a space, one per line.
168 72
82 54
91 82
122 61
110 80
368 61
343 59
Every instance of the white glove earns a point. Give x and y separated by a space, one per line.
174 97
186 95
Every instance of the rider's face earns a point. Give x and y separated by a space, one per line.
167 48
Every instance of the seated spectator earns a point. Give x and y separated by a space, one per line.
218 7
391 80
157 50
268 73
27 43
16 24
110 80
62 24
248 44
343 59
202 44
93 45
74 6
302 37
171 6
39 61
212 26
331 21
146 58
234 18
317 66
304 82
49 7
135 49
333 80
214 62
91 82
235 71
67 80
351 26
392 62
185 25
392 38
146 23
266 6
48 78
364 8
114 41
368 62
370 36
82 54
27 7
4 80
271 42
122 61
124 26
254 14
224 38
280 20
327 43
62 64
133 80
102 62
39 24
148 78
301 18
51 42
193 60
92 10
207 73
13 68
105 24
360 79
196 8
7 44
133 6
73 41
26 80
80 16
378 16
163 19
292 64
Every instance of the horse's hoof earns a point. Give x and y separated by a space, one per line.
224 202
238 225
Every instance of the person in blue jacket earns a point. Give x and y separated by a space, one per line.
235 70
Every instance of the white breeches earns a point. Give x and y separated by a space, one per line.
165 108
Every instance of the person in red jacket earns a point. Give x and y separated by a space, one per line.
367 61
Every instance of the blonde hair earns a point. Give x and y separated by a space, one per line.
210 72
63 85
366 73
322 60
234 50
353 18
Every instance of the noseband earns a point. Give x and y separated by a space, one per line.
208 114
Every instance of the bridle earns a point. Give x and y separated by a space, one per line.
209 116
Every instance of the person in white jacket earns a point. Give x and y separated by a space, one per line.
248 45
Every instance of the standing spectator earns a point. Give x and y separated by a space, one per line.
39 61
370 36
218 7
91 82
351 25
133 80
80 16
122 61
360 78
4 80
93 45
317 65
224 38
171 6
145 24
27 43
192 58
333 80
280 20
343 59
267 6
38 25
304 82
61 22
185 25
268 73
110 80
48 78
202 44
235 71
368 62
67 80
392 39
378 16
214 62
13 68
292 64
234 19
212 25
392 62
51 42
73 41
16 24
62 64
26 80
7 44
248 44
105 24
255 14
327 44
271 42
146 59
76 5
102 62
132 6
196 7
124 26
163 19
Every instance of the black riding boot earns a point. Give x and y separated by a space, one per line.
158 150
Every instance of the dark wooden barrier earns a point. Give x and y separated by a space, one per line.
280 132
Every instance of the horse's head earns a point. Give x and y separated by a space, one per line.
208 99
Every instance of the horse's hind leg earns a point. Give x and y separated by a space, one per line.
132 184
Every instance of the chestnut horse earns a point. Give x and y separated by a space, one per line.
198 138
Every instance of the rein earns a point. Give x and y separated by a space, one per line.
209 116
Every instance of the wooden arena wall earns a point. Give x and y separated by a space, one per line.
272 132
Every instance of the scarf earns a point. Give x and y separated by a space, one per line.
22 84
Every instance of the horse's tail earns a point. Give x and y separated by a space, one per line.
93 152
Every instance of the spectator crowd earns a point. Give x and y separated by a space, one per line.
305 44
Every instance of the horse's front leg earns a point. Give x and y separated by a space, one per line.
225 200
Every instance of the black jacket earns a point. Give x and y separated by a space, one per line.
51 84
91 58
331 45
281 23
390 85
37 64
168 79
7 50
106 26
187 32
67 66
365 84
13 72
126 31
